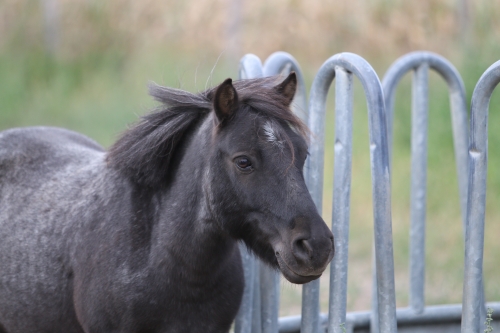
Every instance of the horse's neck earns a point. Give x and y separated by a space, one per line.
187 230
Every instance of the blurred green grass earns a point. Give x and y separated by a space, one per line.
99 96
99 92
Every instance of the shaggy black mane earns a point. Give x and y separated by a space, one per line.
145 150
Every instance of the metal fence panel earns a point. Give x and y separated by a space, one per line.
356 65
473 312
435 318
420 63
458 107
259 314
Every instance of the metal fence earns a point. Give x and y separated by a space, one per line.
260 305
473 311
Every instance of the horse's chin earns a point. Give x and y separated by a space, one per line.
291 276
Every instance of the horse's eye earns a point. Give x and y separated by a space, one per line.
244 164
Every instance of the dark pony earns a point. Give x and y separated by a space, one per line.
144 237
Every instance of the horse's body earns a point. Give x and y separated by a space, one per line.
143 238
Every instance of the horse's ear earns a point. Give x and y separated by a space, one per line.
287 88
225 100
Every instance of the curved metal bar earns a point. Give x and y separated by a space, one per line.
341 199
280 62
474 239
435 314
420 63
418 196
458 105
351 63
250 67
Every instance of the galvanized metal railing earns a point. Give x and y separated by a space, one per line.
259 310
342 67
473 313
420 63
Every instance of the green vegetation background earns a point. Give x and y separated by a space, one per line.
95 83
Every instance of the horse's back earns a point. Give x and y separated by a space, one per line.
42 171
34 152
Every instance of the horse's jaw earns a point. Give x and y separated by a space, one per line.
292 276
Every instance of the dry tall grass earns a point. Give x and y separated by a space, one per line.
313 29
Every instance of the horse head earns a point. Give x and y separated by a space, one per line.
255 183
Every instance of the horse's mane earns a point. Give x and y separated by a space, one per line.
144 151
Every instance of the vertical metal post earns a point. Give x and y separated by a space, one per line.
314 180
458 106
474 242
389 90
248 315
310 308
420 62
257 307
374 324
243 322
379 157
270 296
341 199
418 186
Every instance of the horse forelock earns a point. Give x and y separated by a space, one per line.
262 98
261 95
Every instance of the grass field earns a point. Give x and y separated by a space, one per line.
99 92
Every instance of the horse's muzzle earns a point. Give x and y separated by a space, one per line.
305 258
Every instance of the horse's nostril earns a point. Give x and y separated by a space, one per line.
302 248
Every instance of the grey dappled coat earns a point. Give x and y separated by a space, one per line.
144 237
